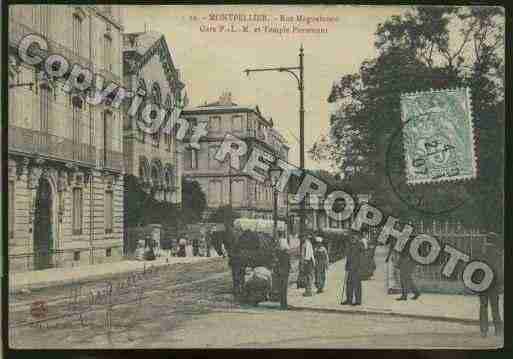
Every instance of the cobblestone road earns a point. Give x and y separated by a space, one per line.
190 305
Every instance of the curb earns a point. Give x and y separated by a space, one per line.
92 278
394 314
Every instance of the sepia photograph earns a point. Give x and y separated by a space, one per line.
253 176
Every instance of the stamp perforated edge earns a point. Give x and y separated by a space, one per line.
471 133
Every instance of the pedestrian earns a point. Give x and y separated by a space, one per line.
493 257
208 241
195 245
321 264
308 264
182 243
283 269
406 268
353 280
235 262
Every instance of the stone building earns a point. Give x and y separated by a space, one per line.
221 184
155 160
64 156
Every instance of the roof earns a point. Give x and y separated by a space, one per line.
142 47
220 107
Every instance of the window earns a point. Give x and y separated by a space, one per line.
77 211
192 123
237 123
191 159
77 34
215 189
76 256
108 252
12 209
43 103
107 56
251 128
108 211
77 114
167 141
215 124
107 136
212 162
238 192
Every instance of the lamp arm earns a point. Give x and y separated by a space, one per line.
293 74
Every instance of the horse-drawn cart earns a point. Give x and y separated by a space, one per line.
255 251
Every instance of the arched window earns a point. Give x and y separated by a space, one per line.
156 172
141 86
144 168
156 99
156 96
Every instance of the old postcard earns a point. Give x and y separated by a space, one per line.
200 176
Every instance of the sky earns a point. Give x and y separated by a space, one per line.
213 62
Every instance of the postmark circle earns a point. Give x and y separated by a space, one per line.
427 198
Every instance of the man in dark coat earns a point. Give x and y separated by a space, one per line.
195 246
492 256
283 270
321 264
353 280
235 262
406 268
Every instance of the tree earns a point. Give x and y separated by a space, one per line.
426 48
141 208
225 215
194 201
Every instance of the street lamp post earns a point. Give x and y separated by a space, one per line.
292 71
274 175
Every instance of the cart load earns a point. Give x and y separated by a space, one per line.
258 285
254 242
255 250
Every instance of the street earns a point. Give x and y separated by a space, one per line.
190 305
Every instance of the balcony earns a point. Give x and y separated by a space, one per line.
32 142
112 160
18 31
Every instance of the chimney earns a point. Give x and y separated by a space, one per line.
225 99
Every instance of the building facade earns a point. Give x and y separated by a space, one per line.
316 217
65 156
153 160
222 184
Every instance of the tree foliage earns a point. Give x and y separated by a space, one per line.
141 208
194 201
225 215
426 48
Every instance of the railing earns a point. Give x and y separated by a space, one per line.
18 31
111 159
43 143
429 278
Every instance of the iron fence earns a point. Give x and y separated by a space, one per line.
429 278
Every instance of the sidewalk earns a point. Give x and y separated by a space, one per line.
60 276
459 308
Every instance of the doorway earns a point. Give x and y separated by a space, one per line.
43 227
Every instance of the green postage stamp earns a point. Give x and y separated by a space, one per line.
438 136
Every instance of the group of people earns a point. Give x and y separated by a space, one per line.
314 262
201 245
